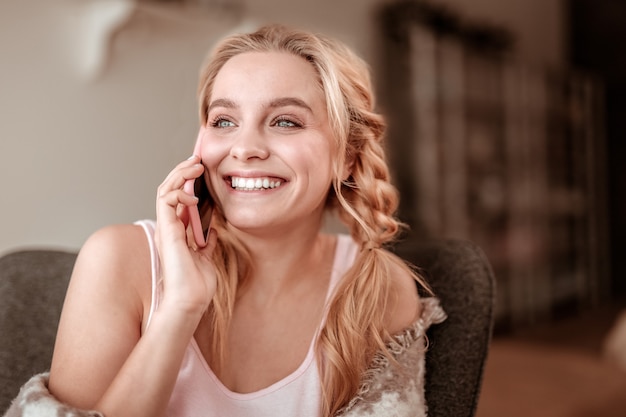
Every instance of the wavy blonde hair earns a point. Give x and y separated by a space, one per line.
366 203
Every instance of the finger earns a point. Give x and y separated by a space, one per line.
177 178
172 201
170 208
193 163
192 160
175 198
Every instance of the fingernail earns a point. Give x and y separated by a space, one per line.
191 157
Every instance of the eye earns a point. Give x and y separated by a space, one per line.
286 122
221 123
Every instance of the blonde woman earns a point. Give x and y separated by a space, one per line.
273 317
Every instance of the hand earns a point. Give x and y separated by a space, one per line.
188 274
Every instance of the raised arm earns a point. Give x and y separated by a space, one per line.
102 360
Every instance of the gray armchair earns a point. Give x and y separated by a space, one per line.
461 277
33 285
32 290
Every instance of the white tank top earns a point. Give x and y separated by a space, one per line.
199 393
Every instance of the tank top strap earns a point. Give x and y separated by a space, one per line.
345 254
149 227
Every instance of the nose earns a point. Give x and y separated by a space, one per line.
249 144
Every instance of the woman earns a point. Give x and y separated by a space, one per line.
273 316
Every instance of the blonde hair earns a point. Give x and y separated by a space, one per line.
366 202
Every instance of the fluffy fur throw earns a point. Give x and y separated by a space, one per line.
397 389
34 400
388 389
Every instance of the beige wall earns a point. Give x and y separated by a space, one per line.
82 148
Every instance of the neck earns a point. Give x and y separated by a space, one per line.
282 261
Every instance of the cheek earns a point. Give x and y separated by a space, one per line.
319 166
212 153
317 159
212 156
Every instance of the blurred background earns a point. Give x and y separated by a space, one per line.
505 121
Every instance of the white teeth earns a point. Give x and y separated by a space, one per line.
253 183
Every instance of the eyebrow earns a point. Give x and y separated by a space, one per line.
222 102
276 103
289 101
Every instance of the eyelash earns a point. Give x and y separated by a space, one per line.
215 122
280 119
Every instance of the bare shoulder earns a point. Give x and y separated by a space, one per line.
115 239
404 306
120 255
102 313
120 249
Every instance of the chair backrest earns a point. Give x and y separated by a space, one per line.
32 289
33 285
461 277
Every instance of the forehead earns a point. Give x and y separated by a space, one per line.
267 75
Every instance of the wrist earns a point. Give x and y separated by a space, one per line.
175 320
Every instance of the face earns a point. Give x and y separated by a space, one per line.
268 148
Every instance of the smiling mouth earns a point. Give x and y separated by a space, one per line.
252 184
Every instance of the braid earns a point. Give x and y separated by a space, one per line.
366 202
370 200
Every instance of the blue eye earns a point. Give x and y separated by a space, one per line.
222 123
286 123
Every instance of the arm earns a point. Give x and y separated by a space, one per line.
101 359
403 303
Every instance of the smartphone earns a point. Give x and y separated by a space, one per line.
200 215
